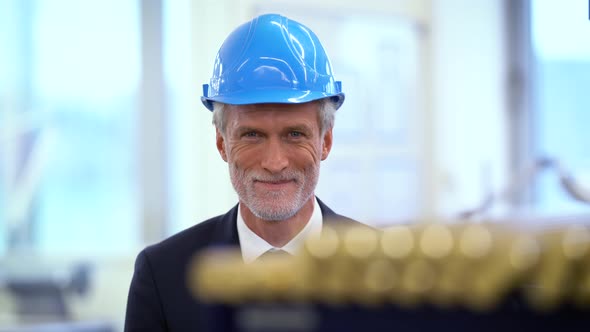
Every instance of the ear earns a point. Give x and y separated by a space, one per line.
327 144
220 142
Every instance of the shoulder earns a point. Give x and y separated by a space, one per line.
333 218
159 293
342 221
190 241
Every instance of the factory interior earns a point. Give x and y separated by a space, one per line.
456 111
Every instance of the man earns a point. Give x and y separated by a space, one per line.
273 99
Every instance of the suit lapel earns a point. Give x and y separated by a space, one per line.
226 233
327 213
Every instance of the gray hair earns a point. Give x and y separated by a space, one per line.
326 115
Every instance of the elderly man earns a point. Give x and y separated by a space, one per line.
273 99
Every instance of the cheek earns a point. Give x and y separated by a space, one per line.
308 153
242 155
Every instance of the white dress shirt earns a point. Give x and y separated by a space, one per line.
253 246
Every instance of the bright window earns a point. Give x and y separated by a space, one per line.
561 48
73 153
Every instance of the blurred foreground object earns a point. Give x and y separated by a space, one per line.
447 276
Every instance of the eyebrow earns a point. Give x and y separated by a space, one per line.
302 128
298 127
246 129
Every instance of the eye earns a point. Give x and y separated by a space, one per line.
296 134
250 134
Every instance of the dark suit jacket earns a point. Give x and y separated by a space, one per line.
159 299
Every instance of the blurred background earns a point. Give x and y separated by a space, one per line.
105 147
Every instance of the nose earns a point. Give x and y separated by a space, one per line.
274 156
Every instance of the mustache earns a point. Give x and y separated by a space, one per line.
290 175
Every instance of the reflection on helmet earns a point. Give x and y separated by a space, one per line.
271 59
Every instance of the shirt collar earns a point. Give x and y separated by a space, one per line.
253 246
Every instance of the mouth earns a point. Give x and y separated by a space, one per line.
274 184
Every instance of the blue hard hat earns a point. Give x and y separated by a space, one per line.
271 59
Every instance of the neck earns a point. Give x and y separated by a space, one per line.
278 232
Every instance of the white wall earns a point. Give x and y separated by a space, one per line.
468 101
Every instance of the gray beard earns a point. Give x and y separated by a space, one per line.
274 205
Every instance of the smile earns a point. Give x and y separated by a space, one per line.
274 184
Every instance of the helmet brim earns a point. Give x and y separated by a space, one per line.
269 97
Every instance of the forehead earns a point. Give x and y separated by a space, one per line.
305 112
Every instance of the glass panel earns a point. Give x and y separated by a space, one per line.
86 78
4 60
3 207
11 104
561 46
76 158
181 96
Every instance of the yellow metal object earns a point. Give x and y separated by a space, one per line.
469 265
